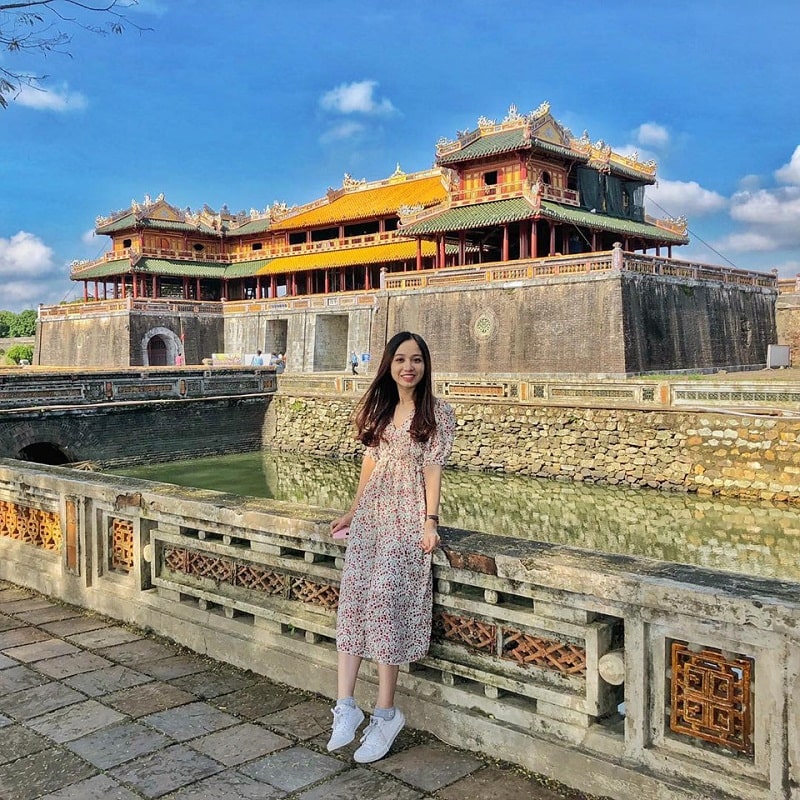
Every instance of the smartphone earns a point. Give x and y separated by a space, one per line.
342 533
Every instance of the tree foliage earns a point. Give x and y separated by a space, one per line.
15 325
19 351
42 27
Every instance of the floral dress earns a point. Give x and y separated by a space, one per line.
386 593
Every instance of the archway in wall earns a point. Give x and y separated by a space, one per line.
157 352
330 342
43 453
160 346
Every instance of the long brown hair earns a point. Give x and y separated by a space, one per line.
376 407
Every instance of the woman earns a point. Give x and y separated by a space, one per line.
386 591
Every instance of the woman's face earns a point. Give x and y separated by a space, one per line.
408 366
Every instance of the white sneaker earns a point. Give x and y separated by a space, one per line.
346 720
378 737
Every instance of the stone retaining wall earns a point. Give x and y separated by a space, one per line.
735 454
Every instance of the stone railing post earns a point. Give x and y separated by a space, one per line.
616 256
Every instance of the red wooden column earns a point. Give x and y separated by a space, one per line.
534 240
185 288
327 282
552 239
96 293
441 252
105 291
86 291
258 287
594 241
419 252
135 286
462 248
155 286
197 289
504 257
273 286
124 288
523 241
366 277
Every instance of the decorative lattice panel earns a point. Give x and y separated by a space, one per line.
472 633
250 576
30 525
711 697
528 650
122 544
259 580
318 594
202 565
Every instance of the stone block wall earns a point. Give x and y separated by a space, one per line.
91 341
738 455
139 433
788 324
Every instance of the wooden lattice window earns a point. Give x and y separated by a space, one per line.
528 650
30 525
472 633
711 697
122 544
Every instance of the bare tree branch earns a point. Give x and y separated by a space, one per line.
43 26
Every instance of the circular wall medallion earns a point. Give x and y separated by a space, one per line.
484 324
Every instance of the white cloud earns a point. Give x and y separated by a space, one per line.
687 198
651 134
790 173
24 254
90 238
61 99
356 98
345 130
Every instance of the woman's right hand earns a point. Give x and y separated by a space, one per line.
342 522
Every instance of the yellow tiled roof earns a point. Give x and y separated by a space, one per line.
369 201
396 251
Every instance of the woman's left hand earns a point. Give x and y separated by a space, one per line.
430 537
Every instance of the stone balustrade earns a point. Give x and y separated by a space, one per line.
624 676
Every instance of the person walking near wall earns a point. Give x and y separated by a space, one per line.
385 598
354 362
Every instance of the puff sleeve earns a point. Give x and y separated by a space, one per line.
437 448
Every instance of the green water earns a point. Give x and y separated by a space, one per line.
760 539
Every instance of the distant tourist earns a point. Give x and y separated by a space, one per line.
385 596
280 363
354 362
258 360
179 360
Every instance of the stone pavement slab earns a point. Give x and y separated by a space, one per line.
429 767
32 776
19 636
24 604
113 746
75 721
259 699
6 623
165 770
228 785
148 698
221 680
40 651
104 637
139 651
239 744
293 769
39 700
362 783
304 721
106 680
100 787
492 783
48 614
65 666
67 627
189 721
15 679
19 741
175 667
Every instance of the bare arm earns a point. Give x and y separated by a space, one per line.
367 466
433 490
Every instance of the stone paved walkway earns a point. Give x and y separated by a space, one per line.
94 710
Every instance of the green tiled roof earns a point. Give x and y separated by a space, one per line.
579 216
121 224
481 215
174 268
253 226
103 270
489 145
484 215
246 269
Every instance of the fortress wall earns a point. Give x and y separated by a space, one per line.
788 324
91 341
672 324
736 455
140 433
562 326
202 334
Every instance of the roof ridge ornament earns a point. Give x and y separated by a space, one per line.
350 182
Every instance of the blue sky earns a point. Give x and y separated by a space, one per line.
247 102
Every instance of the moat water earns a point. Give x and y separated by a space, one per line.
759 539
